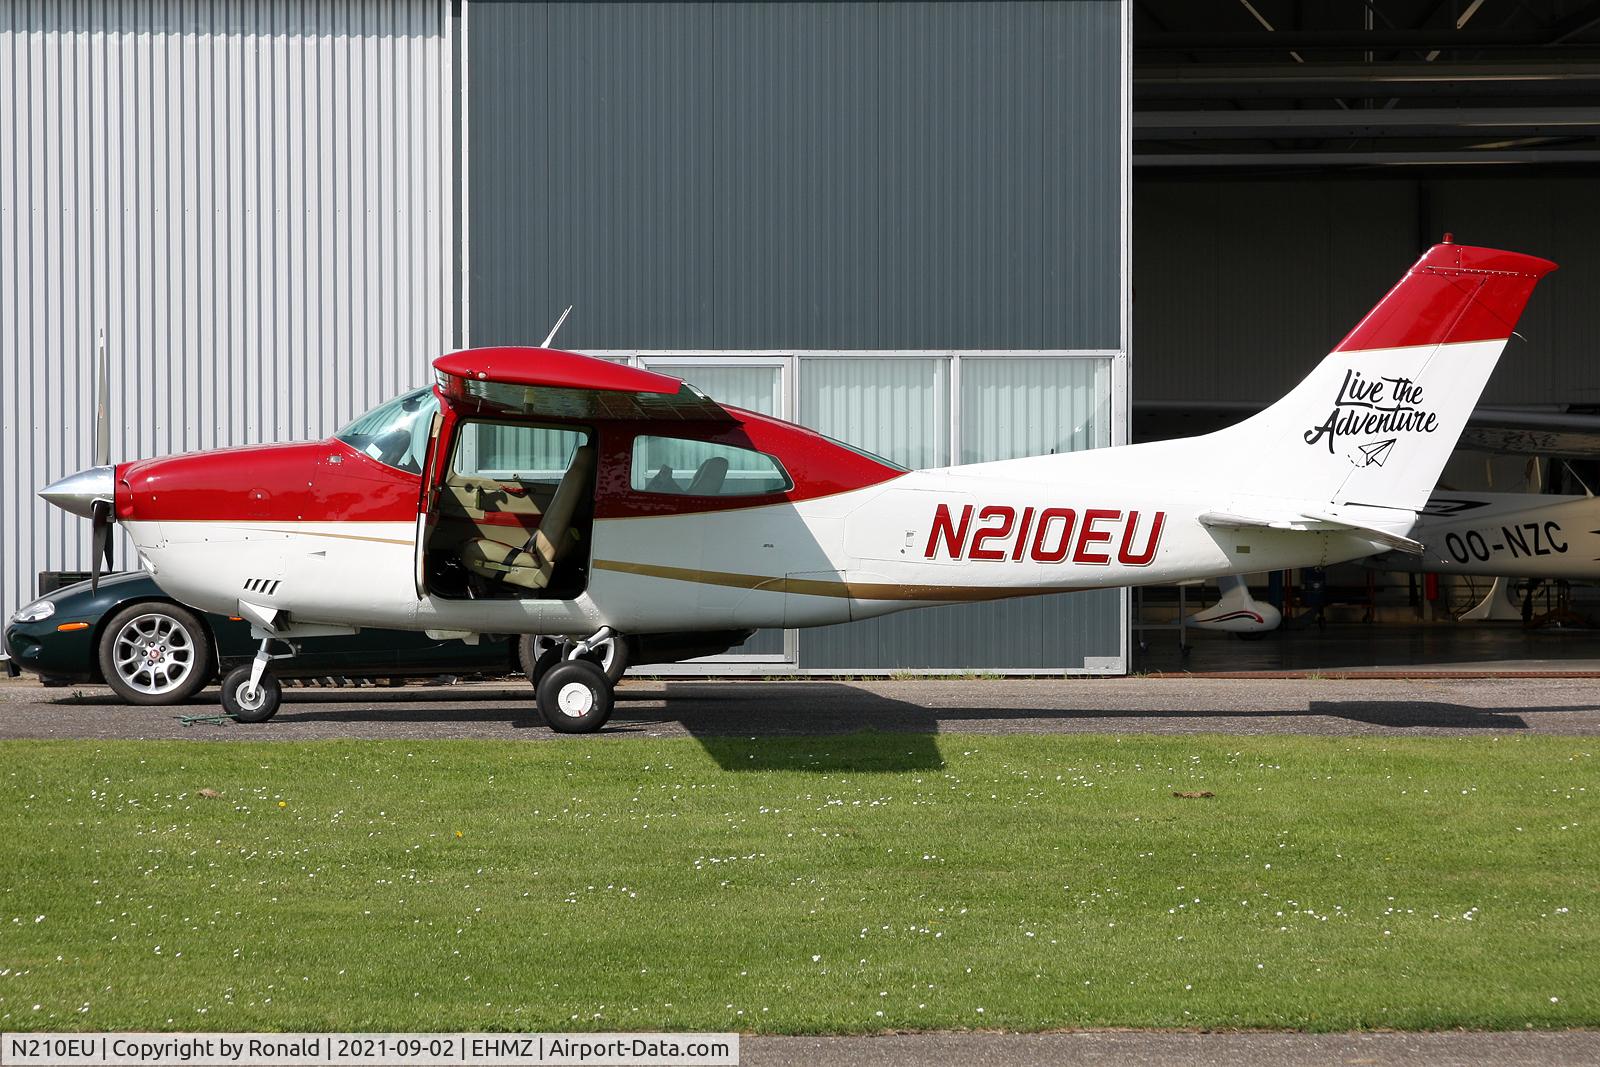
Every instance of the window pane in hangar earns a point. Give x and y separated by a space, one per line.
896 408
757 389
504 450
1013 407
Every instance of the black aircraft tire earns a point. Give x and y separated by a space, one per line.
575 697
264 707
621 658
527 654
542 664
535 663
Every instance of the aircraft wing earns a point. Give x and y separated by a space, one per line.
1552 434
1312 523
548 382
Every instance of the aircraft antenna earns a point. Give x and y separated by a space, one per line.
556 328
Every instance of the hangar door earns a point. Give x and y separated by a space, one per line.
901 224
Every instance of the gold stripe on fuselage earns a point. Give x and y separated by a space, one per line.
349 537
822 587
298 531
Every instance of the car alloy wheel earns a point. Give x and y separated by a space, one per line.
155 653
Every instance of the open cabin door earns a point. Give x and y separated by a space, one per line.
427 502
509 489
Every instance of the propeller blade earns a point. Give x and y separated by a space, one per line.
102 406
102 544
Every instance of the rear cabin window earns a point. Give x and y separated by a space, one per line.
673 465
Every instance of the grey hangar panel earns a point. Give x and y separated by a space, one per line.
810 177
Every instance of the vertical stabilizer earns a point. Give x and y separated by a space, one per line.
1374 423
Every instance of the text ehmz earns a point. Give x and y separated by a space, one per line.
1045 535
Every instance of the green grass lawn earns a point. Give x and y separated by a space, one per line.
835 884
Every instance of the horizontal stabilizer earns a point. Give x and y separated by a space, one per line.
1306 522
1224 521
1388 538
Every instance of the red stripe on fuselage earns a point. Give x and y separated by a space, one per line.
312 481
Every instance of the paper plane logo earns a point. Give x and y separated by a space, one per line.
1377 453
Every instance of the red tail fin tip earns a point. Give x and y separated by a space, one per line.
1454 293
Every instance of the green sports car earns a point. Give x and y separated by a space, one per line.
152 650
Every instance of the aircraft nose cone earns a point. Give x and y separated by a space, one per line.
78 492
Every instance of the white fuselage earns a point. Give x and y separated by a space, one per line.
958 534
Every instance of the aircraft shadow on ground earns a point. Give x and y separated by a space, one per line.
737 725
1407 714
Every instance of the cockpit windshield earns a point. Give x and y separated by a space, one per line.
395 433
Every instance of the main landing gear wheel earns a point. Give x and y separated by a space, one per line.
575 697
552 655
539 654
250 704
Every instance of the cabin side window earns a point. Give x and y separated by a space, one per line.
681 467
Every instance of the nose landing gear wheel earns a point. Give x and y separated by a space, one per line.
250 705
575 697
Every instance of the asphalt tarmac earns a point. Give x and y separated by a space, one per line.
1333 707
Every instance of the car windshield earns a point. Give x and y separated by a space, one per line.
395 433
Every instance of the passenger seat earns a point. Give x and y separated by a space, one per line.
532 565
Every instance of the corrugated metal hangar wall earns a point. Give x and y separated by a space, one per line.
251 201
902 224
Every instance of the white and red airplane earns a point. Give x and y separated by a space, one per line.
535 491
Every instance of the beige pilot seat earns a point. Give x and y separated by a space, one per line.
532 565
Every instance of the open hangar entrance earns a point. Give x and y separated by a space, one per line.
1291 159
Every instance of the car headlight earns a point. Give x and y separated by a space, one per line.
39 609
